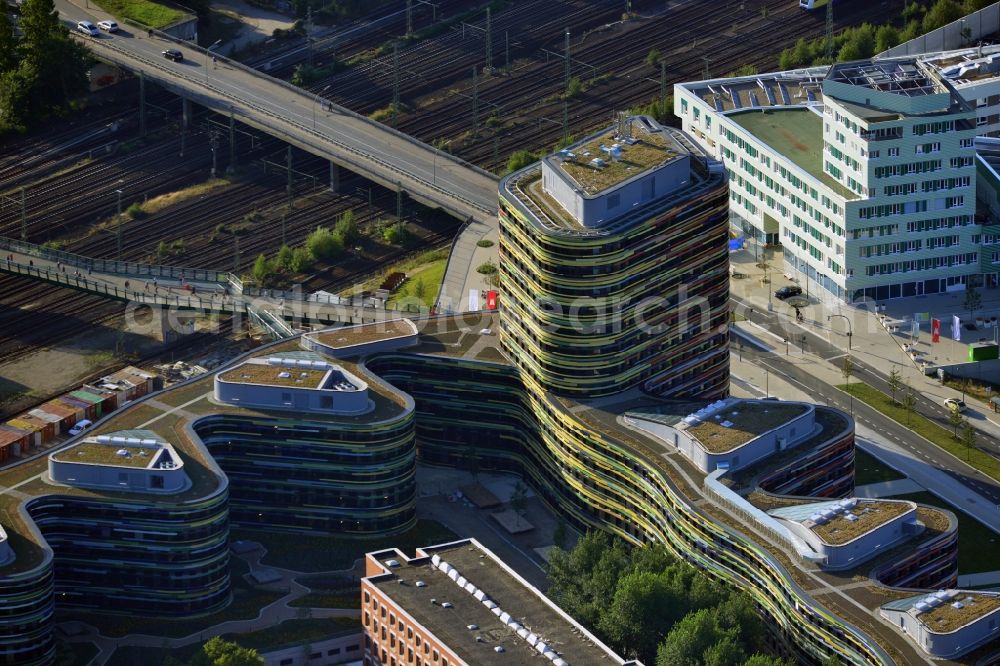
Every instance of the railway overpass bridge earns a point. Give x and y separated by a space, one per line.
179 295
300 118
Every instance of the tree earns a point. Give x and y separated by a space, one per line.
346 228
583 579
759 659
574 87
396 234
520 159
909 402
284 258
324 245
653 57
219 652
895 382
689 639
941 14
261 271
559 534
973 301
886 37
968 437
644 606
8 44
50 68
301 260
954 420
860 43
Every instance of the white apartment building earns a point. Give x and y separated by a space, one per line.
864 172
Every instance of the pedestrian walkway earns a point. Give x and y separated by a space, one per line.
870 343
888 488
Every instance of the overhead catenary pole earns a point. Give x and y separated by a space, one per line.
409 17
506 51
566 73
475 103
24 216
309 48
118 239
288 187
395 82
829 31
663 82
489 41
232 142
142 103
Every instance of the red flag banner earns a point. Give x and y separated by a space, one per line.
935 330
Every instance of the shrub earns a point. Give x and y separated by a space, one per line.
301 260
653 57
262 270
346 228
574 87
324 245
135 211
284 258
520 159
489 268
397 234
484 243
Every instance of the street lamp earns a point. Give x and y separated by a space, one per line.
208 54
315 102
119 232
850 333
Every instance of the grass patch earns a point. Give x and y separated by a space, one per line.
977 543
868 469
142 11
156 204
407 266
926 428
423 283
308 553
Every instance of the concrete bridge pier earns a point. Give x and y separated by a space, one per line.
334 178
185 112
163 324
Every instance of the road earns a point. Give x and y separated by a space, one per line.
815 384
299 117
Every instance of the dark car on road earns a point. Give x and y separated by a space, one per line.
173 54
787 292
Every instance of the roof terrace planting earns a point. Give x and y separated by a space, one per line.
645 151
960 609
132 448
739 423
275 375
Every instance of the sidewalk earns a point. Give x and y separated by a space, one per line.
754 381
871 344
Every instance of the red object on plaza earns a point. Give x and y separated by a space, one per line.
935 330
491 300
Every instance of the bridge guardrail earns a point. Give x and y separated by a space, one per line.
340 109
448 194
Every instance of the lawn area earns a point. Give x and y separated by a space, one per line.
939 436
75 654
977 543
245 605
423 283
142 11
307 553
868 469
289 632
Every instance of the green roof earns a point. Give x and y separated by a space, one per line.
92 398
795 133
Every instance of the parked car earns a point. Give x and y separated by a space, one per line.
955 405
173 54
787 292
108 26
80 426
87 28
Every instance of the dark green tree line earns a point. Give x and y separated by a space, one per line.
648 605
41 71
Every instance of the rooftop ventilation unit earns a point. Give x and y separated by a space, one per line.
392 563
472 627
435 559
498 649
598 163
447 604
479 595
461 580
541 647
560 662
123 453
103 439
490 604
148 442
420 583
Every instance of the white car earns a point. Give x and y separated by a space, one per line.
87 28
80 426
955 405
108 26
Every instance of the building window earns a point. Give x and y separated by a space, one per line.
614 201
286 398
326 402
156 481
